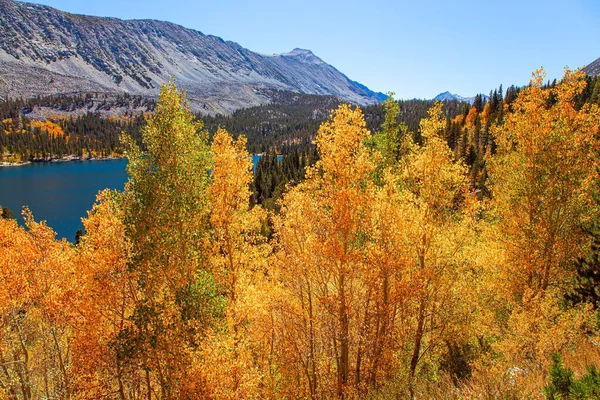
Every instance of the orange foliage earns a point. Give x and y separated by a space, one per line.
485 114
39 303
471 117
459 119
48 127
384 276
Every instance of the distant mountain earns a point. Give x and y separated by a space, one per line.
593 69
447 96
46 51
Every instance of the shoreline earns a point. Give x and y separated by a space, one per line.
75 158
57 160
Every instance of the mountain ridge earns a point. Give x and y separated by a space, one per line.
593 68
69 53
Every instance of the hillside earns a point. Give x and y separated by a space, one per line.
593 69
44 51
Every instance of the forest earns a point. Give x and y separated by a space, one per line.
90 125
77 126
454 258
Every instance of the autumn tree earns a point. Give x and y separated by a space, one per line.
386 273
166 219
542 182
390 139
237 257
38 304
108 290
435 203
321 234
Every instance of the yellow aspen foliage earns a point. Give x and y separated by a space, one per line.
108 291
485 114
437 230
237 258
231 220
321 233
166 221
541 181
371 274
48 127
459 119
38 304
386 275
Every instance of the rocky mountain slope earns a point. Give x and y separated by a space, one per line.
45 51
593 69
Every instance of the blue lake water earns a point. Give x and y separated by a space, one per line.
60 193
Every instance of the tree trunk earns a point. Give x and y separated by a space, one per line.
344 340
417 346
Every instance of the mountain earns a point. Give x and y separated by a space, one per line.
593 69
46 51
447 96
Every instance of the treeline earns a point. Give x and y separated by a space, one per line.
382 273
92 102
411 113
288 123
89 134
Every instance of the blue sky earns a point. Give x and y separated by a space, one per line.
415 48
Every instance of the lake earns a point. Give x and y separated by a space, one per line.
61 193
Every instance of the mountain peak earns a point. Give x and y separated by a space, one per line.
298 51
303 55
447 96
